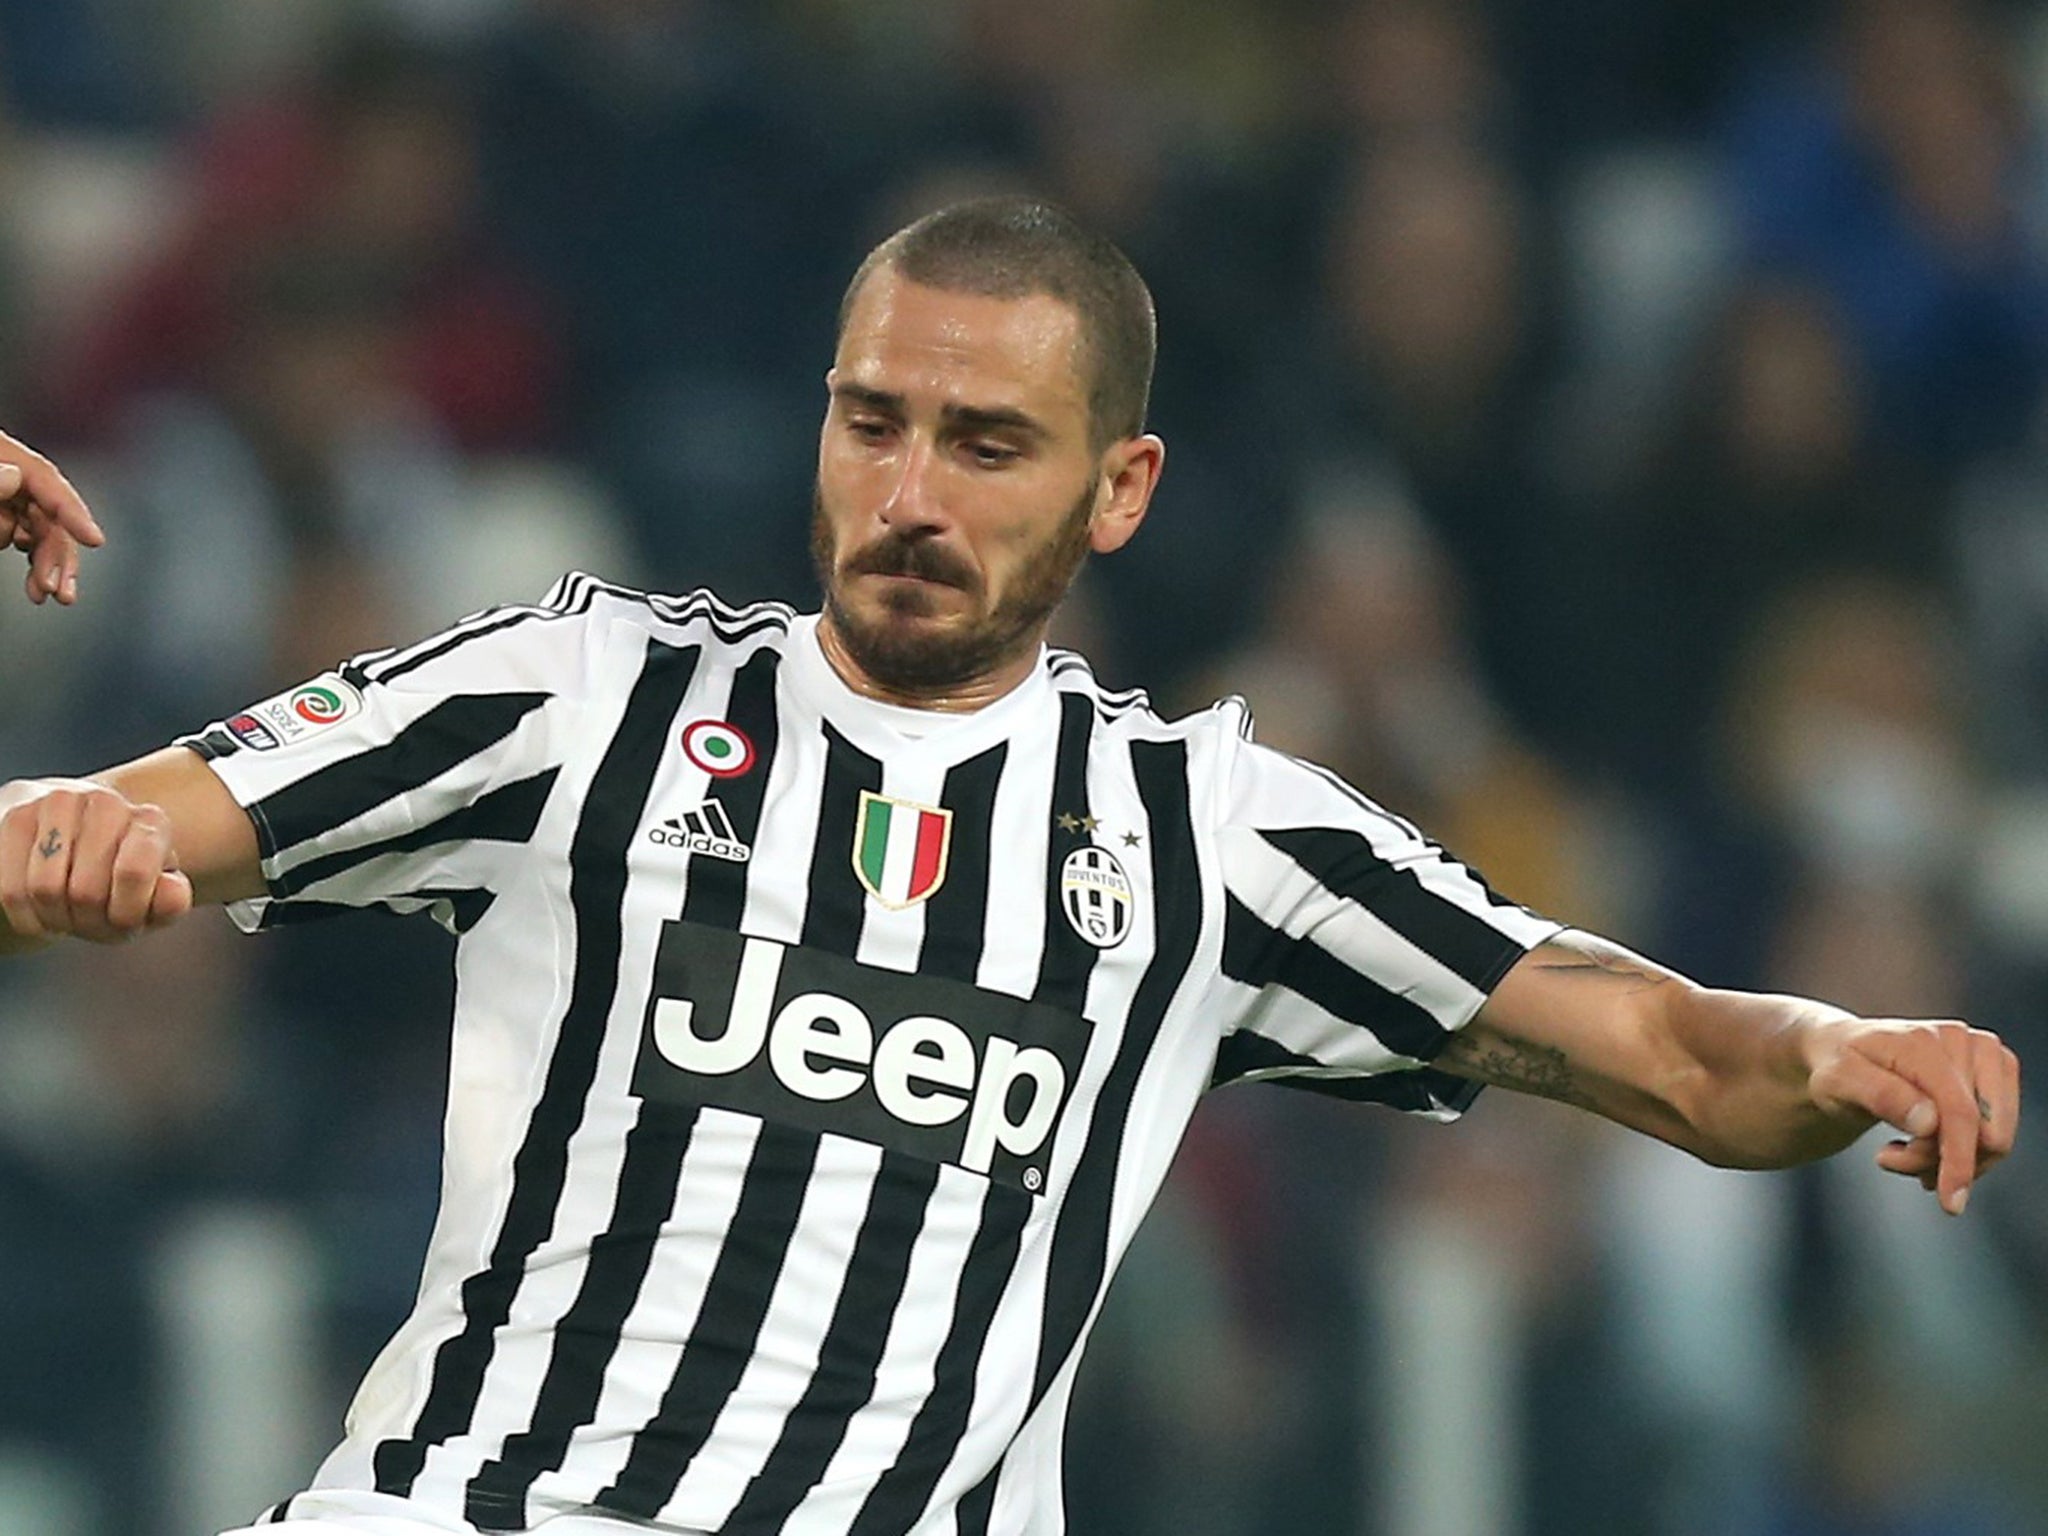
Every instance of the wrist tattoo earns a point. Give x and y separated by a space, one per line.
52 845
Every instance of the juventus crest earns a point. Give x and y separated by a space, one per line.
1095 893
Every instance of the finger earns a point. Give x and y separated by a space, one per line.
1995 1072
103 822
46 485
1907 1079
1961 1119
140 861
49 861
31 534
67 588
56 553
1857 1082
1928 1056
171 900
2013 1089
1916 1158
17 847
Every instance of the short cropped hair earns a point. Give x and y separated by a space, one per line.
1012 247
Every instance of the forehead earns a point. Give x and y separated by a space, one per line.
963 348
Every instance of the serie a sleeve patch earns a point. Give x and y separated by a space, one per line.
297 713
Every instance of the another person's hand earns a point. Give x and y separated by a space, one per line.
43 517
1954 1091
78 858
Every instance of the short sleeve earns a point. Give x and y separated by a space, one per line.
407 778
1354 946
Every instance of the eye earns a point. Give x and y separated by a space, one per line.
868 429
992 455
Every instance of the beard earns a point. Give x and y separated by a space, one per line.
911 658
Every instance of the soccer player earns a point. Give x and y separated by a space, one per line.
833 989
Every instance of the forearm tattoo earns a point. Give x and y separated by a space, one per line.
1542 1070
52 845
1490 1056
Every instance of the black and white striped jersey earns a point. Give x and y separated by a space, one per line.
814 1060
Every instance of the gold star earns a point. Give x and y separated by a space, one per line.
1069 822
1130 839
1089 823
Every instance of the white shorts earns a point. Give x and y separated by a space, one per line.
347 1512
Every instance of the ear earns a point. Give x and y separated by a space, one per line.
1130 472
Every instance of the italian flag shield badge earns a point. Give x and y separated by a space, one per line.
899 848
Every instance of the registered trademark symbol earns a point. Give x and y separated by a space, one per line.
1033 1179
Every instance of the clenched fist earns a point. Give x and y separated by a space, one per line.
81 859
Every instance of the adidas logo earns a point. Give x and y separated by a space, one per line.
706 830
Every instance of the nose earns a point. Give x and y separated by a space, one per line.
915 500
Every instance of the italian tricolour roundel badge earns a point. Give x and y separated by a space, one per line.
720 749
1095 893
899 848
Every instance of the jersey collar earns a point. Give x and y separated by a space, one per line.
879 727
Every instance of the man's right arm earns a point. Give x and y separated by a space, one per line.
126 850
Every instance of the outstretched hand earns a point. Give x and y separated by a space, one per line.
42 516
1953 1090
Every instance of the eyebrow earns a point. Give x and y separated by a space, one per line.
967 418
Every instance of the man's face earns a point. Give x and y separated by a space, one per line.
958 488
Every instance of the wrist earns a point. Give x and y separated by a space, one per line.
1765 1056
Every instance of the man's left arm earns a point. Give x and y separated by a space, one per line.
1742 1079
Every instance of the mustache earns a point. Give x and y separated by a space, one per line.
895 555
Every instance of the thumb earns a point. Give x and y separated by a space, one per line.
171 899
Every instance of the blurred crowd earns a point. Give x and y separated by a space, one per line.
1614 435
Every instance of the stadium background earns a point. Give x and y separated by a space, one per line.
1612 433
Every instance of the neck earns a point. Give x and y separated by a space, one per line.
960 698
